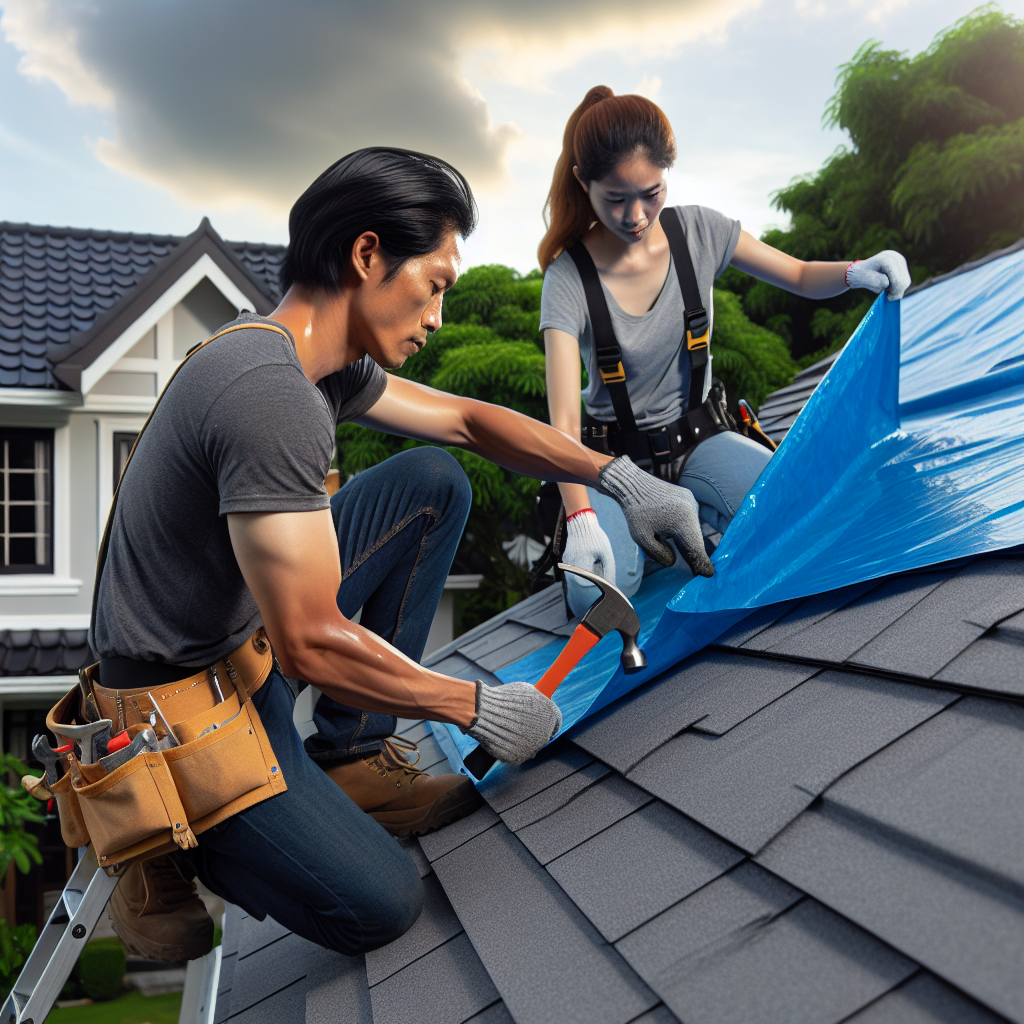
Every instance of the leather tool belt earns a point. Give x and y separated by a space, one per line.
160 800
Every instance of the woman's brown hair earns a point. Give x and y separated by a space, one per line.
602 131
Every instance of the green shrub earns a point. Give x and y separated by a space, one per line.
99 973
15 946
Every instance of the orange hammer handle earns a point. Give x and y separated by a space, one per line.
579 643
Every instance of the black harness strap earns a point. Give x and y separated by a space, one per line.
606 345
696 316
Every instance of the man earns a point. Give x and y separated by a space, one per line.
223 524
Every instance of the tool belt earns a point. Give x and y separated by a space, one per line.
161 800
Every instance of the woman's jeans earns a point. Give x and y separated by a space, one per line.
398 526
720 472
309 857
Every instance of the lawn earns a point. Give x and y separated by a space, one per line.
133 1008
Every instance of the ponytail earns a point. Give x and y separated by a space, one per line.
602 131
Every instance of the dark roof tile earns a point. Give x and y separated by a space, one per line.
924 999
668 857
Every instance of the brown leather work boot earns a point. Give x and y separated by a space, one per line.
395 793
157 914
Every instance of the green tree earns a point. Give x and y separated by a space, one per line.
935 169
17 809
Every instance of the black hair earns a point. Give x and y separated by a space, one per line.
409 200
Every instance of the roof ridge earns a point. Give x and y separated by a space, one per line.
103 234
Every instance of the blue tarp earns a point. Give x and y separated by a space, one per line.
909 453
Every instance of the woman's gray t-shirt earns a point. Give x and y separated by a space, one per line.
654 357
239 429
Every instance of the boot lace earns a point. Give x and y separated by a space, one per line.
393 758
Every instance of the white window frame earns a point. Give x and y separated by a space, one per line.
59 583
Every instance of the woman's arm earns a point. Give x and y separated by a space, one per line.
812 279
562 369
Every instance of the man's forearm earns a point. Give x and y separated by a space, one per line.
356 667
527 446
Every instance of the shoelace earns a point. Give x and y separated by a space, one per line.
393 756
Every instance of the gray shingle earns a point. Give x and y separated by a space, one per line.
435 925
947 785
659 1015
512 784
494 1014
446 986
593 810
639 866
287 1004
958 925
750 783
948 620
269 970
748 949
515 650
546 959
336 989
994 662
838 636
254 934
924 999
756 622
714 689
444 840
554 797
492 641
808 612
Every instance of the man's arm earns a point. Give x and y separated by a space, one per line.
510 439
290 563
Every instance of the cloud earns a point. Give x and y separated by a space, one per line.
245 101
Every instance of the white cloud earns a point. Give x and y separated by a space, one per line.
649 87
243 102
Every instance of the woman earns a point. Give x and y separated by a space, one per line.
608 194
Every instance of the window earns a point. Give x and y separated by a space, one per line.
26 486
123 442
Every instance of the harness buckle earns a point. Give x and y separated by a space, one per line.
613 374
697 324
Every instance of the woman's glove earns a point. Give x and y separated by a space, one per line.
513 721
886 272
655 511
587 546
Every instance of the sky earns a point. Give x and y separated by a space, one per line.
146 115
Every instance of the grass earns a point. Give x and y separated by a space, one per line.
133 1008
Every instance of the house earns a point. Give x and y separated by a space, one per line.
815 819
92 325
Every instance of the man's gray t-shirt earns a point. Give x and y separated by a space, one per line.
240 429
654 356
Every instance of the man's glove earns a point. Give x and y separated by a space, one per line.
513 721
655 511
885 272
587 546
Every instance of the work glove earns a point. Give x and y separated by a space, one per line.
887 271
657 511
587 546
513 721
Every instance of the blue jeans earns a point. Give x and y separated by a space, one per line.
309 857
719 472
398 526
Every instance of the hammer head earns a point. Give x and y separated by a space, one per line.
612 610
91 738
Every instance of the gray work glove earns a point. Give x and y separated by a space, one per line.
513 721
887 271
587 546
655 512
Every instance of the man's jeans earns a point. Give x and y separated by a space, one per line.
398 526
309 857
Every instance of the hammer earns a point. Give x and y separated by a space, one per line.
91 738
611 610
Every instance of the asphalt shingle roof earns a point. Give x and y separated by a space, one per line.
816 819
55 284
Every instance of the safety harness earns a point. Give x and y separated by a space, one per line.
702 419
